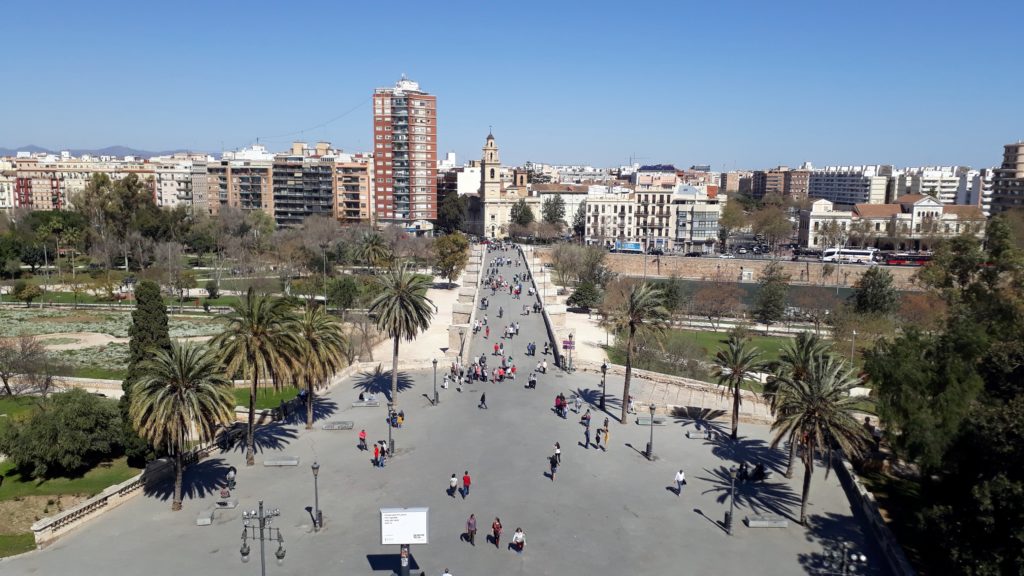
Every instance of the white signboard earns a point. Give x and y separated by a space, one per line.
403 525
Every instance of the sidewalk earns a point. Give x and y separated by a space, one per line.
429 344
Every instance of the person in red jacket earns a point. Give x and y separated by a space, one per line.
466 481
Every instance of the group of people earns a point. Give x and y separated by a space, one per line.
601 434
517 544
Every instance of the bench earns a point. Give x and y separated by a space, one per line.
699 435
766 522
282 461
646 420
227 504
205 517
338 425
365 404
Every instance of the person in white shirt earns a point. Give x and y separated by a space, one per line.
518 541
680 480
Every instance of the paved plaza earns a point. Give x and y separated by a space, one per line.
606 513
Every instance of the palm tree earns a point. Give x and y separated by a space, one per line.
734 367
260 340
401 310
373 250
181 395
796 359
322 353
818 410
642 311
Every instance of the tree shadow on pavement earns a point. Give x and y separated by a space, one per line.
592 396
750 450
390 562
199 480
759 497
379 382
829 532
701 419
267 437
323 408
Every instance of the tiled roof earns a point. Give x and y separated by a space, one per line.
876 210
963 211
564 188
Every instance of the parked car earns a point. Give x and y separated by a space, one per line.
693 254
741 251
726 256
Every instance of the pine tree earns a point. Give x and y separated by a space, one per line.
147 334
770 300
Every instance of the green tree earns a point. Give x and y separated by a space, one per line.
70 433
342 292
735 367
181 395
772 291
451 254
818 410
874 293
521 213
579 222
322 352
553 210
587 295
641 311
372 250
733 218
147 334
451 214
401 310
212 289
833 235
25 292
260 341
796 361
772 223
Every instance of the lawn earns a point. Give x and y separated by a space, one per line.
91 483
712 342
12 407
11 544
265 397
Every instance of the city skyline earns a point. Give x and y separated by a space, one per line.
695 85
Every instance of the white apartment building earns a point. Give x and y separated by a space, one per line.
609 218
7 179
572 195
941 182
975 189
696 219
850 185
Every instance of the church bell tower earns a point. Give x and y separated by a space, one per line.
490 171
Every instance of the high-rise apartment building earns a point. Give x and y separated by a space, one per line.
850 185
404 154
1008 184
768 182
797 183
975 189
940 182
242 179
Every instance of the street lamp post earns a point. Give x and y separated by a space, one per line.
732 499
842 559
436 399
853 348
258 522
391 443
317 518
650 445
604 379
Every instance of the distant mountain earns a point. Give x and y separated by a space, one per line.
108 151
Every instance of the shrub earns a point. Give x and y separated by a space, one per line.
212 290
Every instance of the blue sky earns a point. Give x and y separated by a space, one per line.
730 83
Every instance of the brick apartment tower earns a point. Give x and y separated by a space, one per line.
404 154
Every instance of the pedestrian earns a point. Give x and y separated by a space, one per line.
471 529
487 331
585 420
401 419
597 438
586 437
376 455
466 481
496 531
680 481
544 366
605 437
577 403
445 573
554 467
631 409
496 348
453 485
483 401
518 541
383 456
558 452
362 440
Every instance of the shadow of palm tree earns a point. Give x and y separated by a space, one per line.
700 418
268 437
199 480
830 532
379 382
759 497
748 450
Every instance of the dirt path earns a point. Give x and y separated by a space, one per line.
92 339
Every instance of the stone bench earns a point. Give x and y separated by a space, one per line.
205 517
338 425
227 504
646 420
699 435
365 404
766 522
282 461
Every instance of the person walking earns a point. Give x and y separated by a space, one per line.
586 437
466 481
483 401
577 403
597 437
605 438
487 331
376 455
680 481
362 440
496 531
518 541
471 529
453 485
383 456
558 452
554 467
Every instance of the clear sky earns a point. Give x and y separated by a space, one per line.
728 83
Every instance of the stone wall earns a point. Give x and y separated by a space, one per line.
740 270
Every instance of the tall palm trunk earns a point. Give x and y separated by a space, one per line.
309 403
250 450
808 471
629 375
394 376
792 454
736 411
178 473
